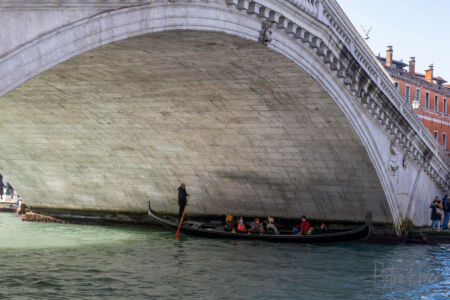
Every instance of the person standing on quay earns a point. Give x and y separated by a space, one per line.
183 198
2 185
436 214
8 189
12 191
446 208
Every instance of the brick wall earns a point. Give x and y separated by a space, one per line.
433 117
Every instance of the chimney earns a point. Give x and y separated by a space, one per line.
412 65
389 53
429 74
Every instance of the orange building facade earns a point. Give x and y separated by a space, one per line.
429 95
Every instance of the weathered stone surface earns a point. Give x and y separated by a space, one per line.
315 35
245 128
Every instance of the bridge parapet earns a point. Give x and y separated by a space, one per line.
314 34
355 65
24 5
413 136
364 55
340 47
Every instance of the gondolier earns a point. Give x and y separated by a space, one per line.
183 198
214 230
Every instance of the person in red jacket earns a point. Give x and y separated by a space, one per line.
241 226
301 228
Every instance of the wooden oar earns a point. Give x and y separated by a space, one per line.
181 222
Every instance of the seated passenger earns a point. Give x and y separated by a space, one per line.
256 227
19 205
309 231
271 228
229 223
302 227
241 226
235 224
322 228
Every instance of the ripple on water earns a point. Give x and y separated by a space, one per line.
65 261
15 234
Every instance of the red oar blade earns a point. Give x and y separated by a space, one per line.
181 222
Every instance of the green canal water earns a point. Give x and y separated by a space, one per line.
60 261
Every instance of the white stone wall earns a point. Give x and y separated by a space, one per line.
127 122
38 48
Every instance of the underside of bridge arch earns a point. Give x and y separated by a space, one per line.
245 128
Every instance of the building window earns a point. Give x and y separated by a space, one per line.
436 103
396 86
427 100
418 95
407 93
444 141
444 110
436 135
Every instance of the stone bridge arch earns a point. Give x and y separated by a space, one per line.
303 31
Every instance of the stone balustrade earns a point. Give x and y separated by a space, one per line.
359 69
314 34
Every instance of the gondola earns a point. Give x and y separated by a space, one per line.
217 231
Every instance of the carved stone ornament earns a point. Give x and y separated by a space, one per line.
405 160
392 147
394 160
265 36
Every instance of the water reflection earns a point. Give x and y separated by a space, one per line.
89 262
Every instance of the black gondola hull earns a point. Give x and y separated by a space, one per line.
196 230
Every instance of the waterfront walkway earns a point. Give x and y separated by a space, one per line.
7 199
426 236
6 202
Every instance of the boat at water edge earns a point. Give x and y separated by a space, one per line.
208 230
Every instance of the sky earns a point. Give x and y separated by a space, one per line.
419 28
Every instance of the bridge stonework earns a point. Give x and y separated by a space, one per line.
286 109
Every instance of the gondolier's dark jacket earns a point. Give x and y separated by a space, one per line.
182 196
